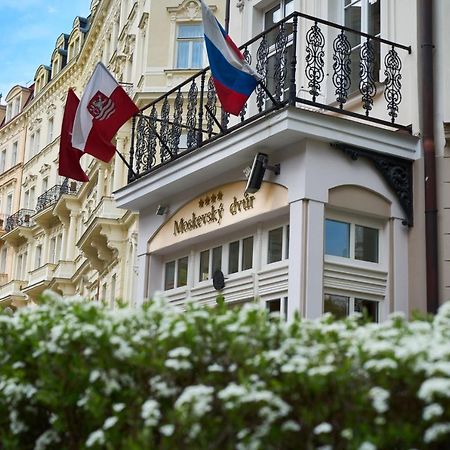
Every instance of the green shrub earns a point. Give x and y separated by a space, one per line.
75 374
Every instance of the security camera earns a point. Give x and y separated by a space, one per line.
161 210
260 164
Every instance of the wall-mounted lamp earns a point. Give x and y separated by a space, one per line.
161 210
260 164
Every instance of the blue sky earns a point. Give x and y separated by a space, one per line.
28 32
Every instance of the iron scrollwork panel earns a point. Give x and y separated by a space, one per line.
342 67
314 71
191 118
280 72
392 92
367 85
211 101
177 122
261 67
165 133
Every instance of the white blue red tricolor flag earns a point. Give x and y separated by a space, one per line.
233 78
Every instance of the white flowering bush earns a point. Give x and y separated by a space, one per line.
77 375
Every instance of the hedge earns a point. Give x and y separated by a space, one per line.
75 374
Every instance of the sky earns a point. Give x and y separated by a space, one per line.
28 33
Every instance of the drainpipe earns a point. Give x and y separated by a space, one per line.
227 16
427 94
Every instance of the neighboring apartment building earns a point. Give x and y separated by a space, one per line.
341 228
69 236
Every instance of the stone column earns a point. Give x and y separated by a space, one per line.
100 183
305 285
71 235
398 270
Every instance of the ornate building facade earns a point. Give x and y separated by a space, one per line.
69 236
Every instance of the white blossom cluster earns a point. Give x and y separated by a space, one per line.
171 372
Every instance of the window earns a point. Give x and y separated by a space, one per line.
50 130
348 240
9 200
210 262
16 106
190 49
278 244
364 16
272 16
341 306
175 274
3 160
34 143
3 256
240 255
28 199
15 146
44 185
38 256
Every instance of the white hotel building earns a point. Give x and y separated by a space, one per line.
342 227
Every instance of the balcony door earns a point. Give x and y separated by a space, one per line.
278 58
364 16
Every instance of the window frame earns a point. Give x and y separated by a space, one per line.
365 221
176 270
351 300
190 40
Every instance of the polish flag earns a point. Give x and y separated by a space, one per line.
103 109
69 157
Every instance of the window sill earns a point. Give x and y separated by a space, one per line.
351 262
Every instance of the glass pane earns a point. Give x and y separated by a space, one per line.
274 305
190 31
337 238
275 245
336 305
355 62
368 308
182 271
353 21
233 257
272 16
287 242
169 281
289 7
366 243
183 55
216 259
374 17
197 54
247 253
204 265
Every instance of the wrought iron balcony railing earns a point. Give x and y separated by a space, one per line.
303 61
22 218
51 196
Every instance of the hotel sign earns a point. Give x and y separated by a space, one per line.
217 209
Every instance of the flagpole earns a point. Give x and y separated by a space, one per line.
126 163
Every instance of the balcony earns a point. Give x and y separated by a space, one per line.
11 293
39 279
51 196
310 68
22 218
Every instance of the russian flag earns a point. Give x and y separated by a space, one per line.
233 78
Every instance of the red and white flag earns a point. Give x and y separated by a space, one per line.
103 109
69 157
